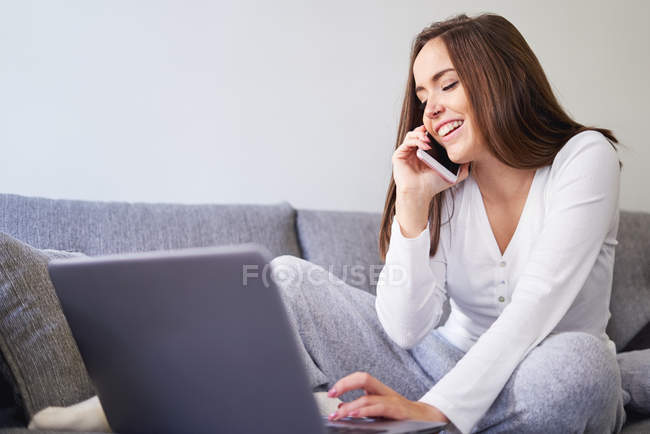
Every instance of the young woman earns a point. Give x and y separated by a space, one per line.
522 246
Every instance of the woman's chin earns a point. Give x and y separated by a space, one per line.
458 159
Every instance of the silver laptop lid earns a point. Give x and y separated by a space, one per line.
187 341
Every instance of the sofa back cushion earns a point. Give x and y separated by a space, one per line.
96 228
630 303
345 243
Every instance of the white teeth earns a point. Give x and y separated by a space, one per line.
446 128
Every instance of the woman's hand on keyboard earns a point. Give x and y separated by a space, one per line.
379 401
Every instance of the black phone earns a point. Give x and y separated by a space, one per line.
438 160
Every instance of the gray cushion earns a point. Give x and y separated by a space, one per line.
34 336
641 341
635 377
636 425
345 243
630 303
115 227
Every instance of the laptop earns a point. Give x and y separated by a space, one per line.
195 340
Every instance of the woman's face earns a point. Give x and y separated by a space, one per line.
445 100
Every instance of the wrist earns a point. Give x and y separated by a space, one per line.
412 215
432 413
411 196
410 229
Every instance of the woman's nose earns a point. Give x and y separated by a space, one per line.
433 111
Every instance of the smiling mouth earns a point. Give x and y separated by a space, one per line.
450 127
451 134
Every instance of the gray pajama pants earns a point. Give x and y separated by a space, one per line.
569 383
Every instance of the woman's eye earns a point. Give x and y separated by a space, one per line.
423 104
450 86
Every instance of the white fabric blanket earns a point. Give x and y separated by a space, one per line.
89 415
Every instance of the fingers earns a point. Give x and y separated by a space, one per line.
350 408
373 405
412 141
360 380
375 410
415 138
418 134
406 148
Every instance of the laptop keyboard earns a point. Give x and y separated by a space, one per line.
339 429
351 430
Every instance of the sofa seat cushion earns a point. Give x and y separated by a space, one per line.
641 341
635 377
35 340
97 228
636 425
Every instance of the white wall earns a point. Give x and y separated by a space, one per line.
257 102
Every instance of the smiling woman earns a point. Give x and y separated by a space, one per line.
481 71
522 246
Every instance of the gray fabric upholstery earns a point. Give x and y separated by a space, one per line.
630 303
114 227
333 239
635 377
641 341
34 336
637 427
345 243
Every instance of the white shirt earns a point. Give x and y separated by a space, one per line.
555 275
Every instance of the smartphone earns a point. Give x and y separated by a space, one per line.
437 159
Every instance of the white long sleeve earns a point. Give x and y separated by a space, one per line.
410 289
555 275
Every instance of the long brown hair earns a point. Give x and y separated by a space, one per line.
511 99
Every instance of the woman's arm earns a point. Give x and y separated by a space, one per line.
583 202
410 291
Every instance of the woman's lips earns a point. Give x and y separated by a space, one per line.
452 134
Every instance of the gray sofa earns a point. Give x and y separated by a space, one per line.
335 240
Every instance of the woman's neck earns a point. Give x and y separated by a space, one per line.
499 182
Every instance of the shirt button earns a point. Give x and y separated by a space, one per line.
502 299
502 264
503 282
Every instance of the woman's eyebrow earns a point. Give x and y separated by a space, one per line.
436 77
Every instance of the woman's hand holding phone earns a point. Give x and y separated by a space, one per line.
416 183
413 176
